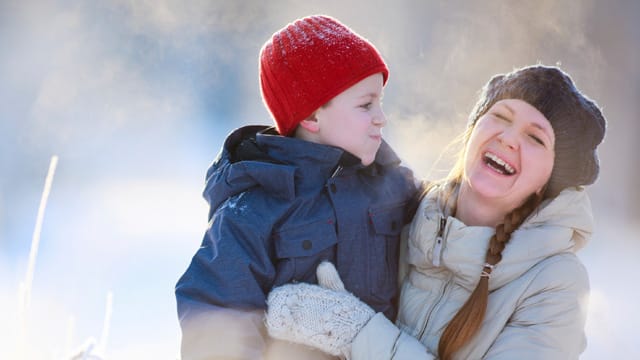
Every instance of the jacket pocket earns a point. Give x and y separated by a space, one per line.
387 222
301 248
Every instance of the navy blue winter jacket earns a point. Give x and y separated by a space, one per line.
279 206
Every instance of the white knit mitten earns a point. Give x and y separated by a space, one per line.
316 316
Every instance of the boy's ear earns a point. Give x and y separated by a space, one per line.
310 124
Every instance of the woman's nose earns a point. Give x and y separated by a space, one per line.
509 138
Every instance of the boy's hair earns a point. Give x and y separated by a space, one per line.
308 63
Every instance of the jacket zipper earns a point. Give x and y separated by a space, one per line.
435 305
437 249
336 171
437 254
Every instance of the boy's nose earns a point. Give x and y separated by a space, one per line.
379 119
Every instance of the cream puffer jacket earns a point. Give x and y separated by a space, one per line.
538 292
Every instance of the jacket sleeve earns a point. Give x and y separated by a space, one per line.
549 321
380 339
221 296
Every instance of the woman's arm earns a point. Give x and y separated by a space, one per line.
328 318
549 321
380 339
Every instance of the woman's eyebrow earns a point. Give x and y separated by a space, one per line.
509 108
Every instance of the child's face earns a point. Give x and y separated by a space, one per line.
353 120
510 154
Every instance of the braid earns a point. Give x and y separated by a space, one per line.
468 320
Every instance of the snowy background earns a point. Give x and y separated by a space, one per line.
135 97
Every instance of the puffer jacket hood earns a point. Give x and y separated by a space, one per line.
257 155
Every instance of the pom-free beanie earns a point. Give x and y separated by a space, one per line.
308 63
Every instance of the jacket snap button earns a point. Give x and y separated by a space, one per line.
306 244
333 188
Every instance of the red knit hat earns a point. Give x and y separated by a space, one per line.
308 63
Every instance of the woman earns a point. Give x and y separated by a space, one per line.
490 254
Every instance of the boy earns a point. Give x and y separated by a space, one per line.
321 185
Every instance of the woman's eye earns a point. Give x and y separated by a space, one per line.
366 106
502 117
536 139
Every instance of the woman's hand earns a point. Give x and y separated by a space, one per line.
323 316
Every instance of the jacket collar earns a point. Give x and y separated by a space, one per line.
283 166
562 224
324 158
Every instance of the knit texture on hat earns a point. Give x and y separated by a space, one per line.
308 63
577 122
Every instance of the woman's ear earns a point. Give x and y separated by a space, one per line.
310 124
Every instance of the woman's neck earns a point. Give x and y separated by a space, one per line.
475 210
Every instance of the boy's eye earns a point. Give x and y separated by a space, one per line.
366 106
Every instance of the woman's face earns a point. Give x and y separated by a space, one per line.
510 153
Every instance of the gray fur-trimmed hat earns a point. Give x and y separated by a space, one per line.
578 123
